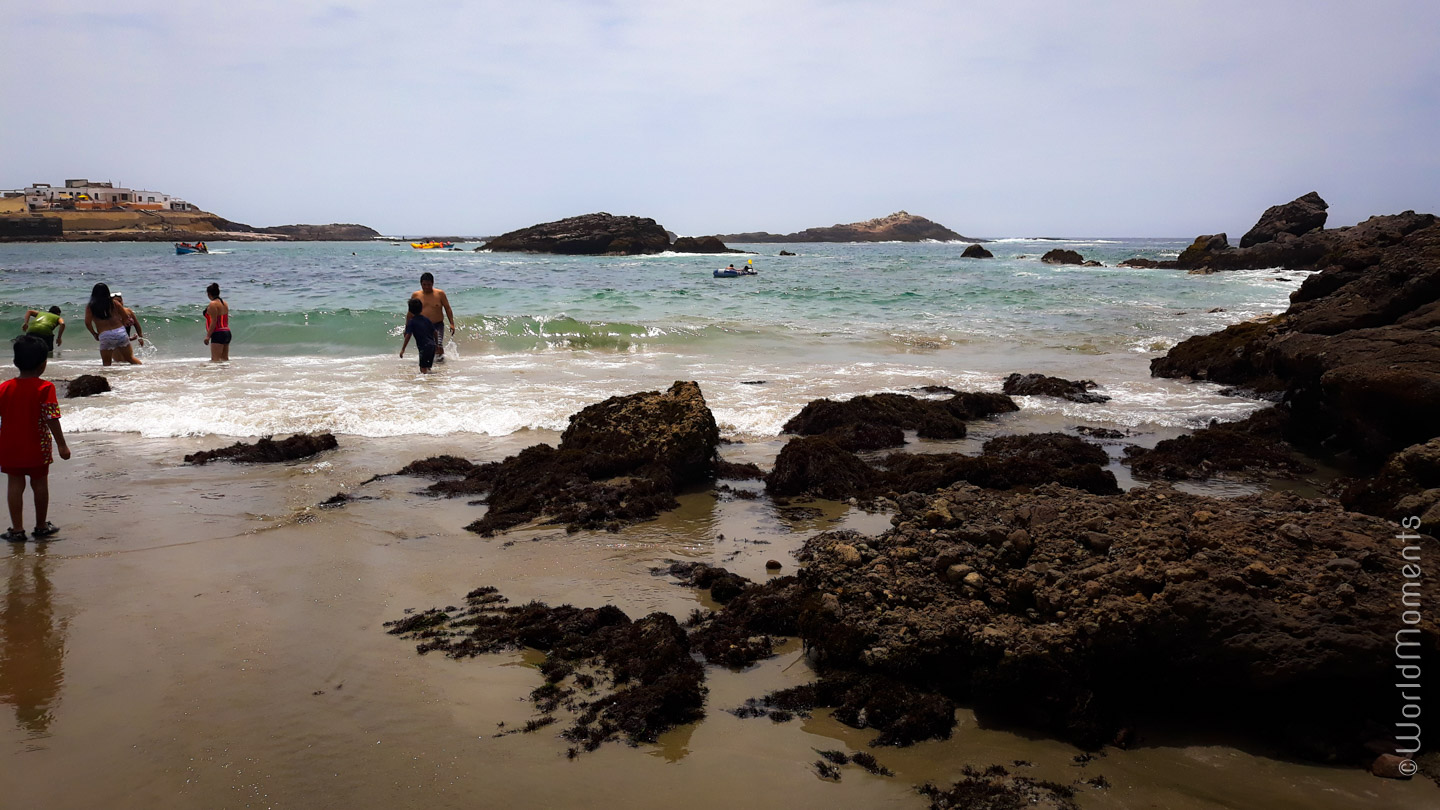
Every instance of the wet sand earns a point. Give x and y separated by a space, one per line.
205 637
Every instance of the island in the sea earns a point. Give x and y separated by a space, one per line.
900 226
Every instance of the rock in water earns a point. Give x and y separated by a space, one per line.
86 385
1041 385
1062 256
590 235
1297 217
267 450
620 461
976 252
701 244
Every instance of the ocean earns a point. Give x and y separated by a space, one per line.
317 329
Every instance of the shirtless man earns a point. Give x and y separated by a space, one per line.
435 306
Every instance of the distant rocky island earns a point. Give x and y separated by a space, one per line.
898 227
602 234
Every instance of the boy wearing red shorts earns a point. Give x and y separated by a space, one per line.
29 416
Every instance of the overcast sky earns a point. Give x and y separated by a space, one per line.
1004 118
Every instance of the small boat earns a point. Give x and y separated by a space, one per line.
182 248
734 273
432 245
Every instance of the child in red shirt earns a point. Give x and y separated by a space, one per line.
29 415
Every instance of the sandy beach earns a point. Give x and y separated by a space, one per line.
206 637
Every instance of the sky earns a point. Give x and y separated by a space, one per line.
1007 118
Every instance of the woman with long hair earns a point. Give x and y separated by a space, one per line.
217 325
106 323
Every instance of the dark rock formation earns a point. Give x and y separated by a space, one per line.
86 385
976 252
818 467
1062 256
701 244
1041 385
874 421
786 253
1077 613
1297 218
31 228
898 227
589 235
267 450
619 461
1253 447
1357 354
903 715
1408 486
996 789
814 465
335 232
1140 262
650 681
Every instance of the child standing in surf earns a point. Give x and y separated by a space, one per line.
29 416
423 330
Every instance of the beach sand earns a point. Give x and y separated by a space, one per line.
207 637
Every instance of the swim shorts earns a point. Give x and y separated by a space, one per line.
34 472
220 337
49 341
427 357
113 339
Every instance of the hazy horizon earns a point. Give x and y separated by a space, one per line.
993 119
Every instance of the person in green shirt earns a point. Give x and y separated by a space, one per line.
47 326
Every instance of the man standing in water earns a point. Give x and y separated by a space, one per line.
435 306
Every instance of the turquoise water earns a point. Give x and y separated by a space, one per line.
317 326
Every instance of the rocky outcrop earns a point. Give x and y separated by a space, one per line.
1297 218
1078 614
1408 486
1062 256
898 227
873 421
334 232
1140 262
1357 354
30 228
590 235
619 678
269 451
86 385
619 461
1253 448
701 244
818 467
1040 385
976 252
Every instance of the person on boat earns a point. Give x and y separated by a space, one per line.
132 325
48 326
731 268
435 306
106 323
200 246
217 325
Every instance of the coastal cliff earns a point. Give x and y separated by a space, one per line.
1356 357
165 226
898 227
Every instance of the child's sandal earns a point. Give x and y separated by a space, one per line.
14 535
45 530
